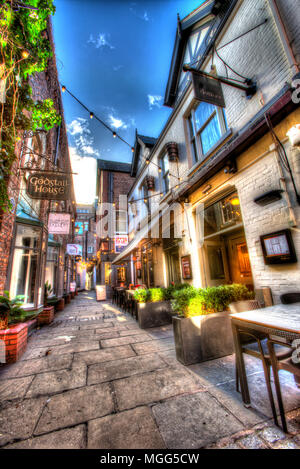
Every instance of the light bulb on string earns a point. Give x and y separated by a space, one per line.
25 54
63 88
91 115
114 134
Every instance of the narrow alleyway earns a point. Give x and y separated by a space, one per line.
93 379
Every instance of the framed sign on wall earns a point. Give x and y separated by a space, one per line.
186 267
278 248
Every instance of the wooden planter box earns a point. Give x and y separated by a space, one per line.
76 292
46 316
202 338
72 295
60 305
15 342
67 299
154 314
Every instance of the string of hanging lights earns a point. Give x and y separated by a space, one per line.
147 160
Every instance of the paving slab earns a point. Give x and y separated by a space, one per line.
38 365
132 429
106 355
58 381
152 387
71 438
193 421
74 407
14 388
61 349
18 421
130 339
117 369
154 346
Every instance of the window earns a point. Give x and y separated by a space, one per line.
121 221
52 268
165 173
222 214
24 277
145 195
206 125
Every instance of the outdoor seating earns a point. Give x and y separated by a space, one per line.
255 344
277 365
290 298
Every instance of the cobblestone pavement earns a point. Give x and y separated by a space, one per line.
93 379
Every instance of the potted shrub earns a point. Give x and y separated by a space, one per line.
202 326
47 315
153 309
12 332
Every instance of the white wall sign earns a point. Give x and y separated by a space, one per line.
120 242
59 223
74 249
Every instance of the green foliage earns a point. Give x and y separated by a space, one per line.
25 50
197 302
156 294
181 299
169 291
141 295
11 308
44 116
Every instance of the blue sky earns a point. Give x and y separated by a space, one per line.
115 57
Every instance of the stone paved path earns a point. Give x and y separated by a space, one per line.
93 379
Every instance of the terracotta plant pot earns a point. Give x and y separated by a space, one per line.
172 150
46 316
60 305
3 322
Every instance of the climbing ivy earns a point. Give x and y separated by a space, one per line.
24 51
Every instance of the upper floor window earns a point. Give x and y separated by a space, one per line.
165 173
206 126
121 222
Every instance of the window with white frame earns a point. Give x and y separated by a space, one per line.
206 124
165 173
121 222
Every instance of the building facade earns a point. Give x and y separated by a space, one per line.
30 256
114 180
226 169
85 236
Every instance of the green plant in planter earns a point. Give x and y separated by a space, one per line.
141 295
47 292
181 299
156 294
169 291
10 309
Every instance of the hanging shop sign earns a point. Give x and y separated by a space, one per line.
72 286
74 249
186 267
59 223
49 186
208 90
120 242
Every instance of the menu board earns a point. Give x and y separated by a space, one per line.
186 267
278 248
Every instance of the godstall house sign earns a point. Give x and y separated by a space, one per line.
59 223
49 185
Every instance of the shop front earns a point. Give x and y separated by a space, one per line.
28 262
224 256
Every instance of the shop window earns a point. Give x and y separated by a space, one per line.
107 273
51 271
222 214
164 164
121 274
206 125
25 267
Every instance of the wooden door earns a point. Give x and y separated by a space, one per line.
239 262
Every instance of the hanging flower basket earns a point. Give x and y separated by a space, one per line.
150 182
172 150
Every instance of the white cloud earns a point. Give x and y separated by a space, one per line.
117 68
143 16
86 169
102 40
117 123
154 100
79 130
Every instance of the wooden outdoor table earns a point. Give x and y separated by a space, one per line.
282 321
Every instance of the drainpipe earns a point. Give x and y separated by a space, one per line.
284 37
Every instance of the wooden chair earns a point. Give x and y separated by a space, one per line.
277 365
255 345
